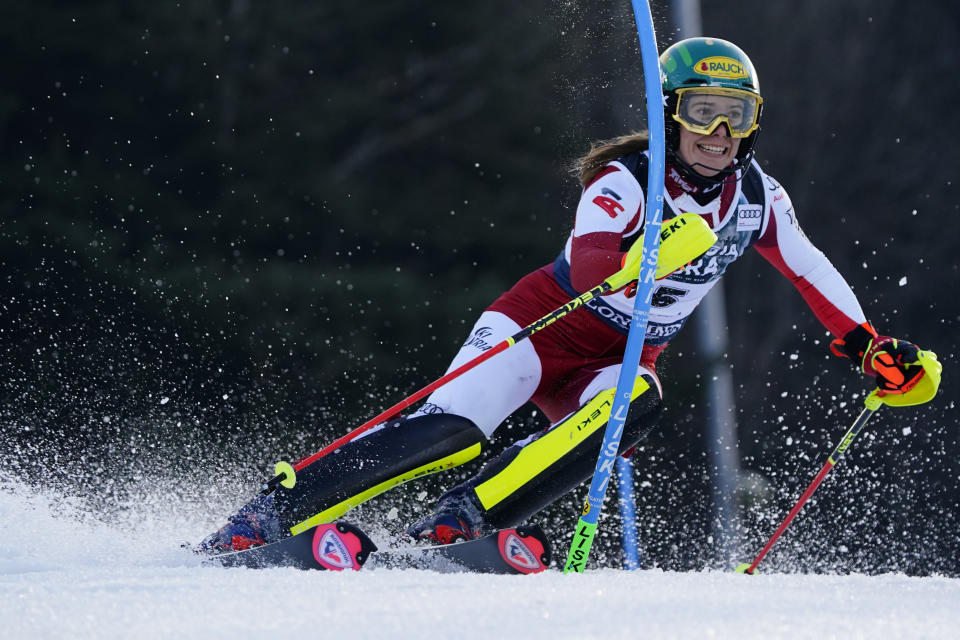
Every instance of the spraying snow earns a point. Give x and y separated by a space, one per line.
66 574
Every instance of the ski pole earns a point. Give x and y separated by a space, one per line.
689 237
872 404
286 473
587 524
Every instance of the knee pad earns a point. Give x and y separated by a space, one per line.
525 479
367 466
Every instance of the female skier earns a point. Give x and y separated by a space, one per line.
569 370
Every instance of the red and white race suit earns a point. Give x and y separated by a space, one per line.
563 366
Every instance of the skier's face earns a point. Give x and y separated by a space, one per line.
708 154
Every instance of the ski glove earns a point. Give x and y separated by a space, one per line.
905 374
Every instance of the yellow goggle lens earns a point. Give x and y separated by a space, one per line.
702 110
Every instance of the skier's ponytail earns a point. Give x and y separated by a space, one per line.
605 151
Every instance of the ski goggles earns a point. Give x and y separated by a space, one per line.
702 109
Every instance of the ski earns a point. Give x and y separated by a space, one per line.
341 546
337 546
522 550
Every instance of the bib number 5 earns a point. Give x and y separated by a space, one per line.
666 296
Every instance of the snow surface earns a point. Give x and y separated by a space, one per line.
67 575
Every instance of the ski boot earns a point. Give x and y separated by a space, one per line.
457 518
254 525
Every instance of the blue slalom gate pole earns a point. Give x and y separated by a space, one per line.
587 525
628 514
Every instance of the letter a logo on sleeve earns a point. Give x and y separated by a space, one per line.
611 206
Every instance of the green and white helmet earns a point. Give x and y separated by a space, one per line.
698 67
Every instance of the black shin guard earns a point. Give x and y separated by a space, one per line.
365 467
525 479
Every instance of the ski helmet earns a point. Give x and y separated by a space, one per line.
710 66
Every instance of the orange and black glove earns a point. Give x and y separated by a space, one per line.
899 367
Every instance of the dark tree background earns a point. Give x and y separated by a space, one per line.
231 231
